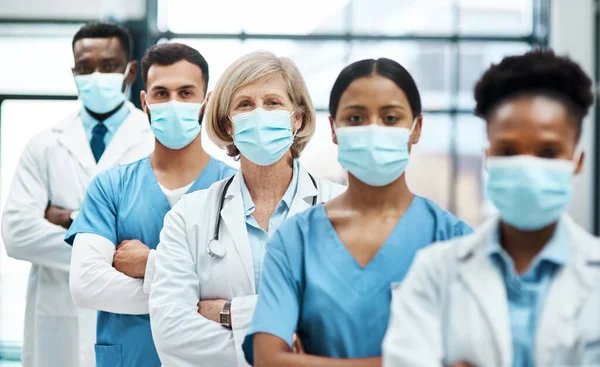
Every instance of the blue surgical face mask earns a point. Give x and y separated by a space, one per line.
262 136
101 92
175 124
377 155
529 192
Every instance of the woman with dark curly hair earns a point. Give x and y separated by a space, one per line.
525 289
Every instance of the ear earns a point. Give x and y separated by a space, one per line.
143 101
133 68
416 134
579 163
298 119
332 125
229 129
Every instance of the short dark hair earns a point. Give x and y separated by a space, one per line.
538 72
384 67
106 30
165 54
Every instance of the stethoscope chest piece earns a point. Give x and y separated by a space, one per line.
215 249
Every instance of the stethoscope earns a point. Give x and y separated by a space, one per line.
215 249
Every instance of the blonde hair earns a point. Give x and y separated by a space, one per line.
251 68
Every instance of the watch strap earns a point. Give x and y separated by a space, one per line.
225 315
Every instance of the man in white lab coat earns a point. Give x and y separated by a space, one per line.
49 186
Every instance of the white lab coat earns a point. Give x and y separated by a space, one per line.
185 273
56 167
452 307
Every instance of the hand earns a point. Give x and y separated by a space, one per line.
297 345
211 309
131 258
462 364
59 216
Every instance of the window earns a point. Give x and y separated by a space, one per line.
445 44
28 77
14 274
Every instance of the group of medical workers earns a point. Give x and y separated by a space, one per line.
146 251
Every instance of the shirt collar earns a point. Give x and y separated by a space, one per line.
112 123
287 198
557 251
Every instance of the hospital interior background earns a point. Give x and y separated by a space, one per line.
445 44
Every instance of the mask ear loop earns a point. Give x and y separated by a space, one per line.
414 124
126 92
577 157
295 131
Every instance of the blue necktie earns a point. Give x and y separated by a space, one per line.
97 142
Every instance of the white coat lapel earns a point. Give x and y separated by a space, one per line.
235 222
72 137
567 295
486 286
128 135
305 192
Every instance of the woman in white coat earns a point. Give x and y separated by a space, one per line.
213 241
525 290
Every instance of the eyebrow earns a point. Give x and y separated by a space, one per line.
188 86
240 98
160 87
273 95
392 106
355 107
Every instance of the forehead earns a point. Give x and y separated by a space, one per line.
98 48
271 85
174 76
531 116
373 90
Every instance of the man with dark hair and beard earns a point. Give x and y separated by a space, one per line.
118 228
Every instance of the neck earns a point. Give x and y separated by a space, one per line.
189 158
393 197
523 246
104 116
267 183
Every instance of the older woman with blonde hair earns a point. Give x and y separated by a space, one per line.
212 246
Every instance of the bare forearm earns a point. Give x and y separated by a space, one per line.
289 359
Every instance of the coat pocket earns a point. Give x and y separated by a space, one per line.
108 355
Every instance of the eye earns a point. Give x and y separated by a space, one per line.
83 70
273 103
506 151
549 152
110 67
390 120
244 104
354 119
161 94
186 93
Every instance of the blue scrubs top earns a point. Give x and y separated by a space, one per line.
125 203
312 285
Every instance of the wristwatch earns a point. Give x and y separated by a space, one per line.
225 315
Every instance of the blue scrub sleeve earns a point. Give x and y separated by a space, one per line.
278 306
462 229
98 214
